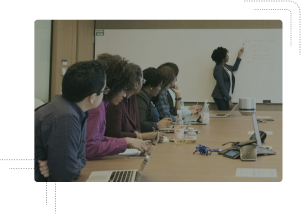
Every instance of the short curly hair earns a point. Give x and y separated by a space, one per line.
219 54
133 75
153 77
115 70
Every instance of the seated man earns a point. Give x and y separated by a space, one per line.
60 126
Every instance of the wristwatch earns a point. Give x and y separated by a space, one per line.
178 98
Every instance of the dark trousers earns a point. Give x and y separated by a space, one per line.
221 104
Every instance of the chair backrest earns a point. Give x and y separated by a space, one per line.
37 103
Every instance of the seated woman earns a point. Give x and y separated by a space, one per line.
97 144
123 119
163 101
186 110
148 113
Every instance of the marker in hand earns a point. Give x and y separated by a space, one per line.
240 52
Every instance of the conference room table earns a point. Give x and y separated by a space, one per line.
177 163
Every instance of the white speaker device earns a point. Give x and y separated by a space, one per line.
247 106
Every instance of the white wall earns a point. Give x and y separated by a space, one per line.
259 75
42 59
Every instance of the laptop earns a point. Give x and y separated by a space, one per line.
224 115
130 175
195 121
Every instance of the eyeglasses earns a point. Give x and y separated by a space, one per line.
105 91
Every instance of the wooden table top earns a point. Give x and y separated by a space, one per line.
177 163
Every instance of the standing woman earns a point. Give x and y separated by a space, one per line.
225 79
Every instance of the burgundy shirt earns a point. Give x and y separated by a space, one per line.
97 145
123 119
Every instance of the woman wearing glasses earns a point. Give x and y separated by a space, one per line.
97 144
123 119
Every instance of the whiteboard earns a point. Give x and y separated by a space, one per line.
259 75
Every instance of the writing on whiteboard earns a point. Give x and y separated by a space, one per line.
259 49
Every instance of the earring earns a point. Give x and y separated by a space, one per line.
91 100
151 88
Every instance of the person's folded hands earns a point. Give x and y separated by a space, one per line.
43 166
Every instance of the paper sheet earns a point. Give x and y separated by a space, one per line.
260 173
130 152
165 139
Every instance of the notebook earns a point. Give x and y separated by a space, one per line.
224 115
130 175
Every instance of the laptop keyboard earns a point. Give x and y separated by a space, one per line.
220 115
121 176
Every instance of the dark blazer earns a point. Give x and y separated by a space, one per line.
146 111
222 87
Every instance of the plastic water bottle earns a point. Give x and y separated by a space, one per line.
179 129
205 116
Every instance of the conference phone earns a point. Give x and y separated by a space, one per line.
247 150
